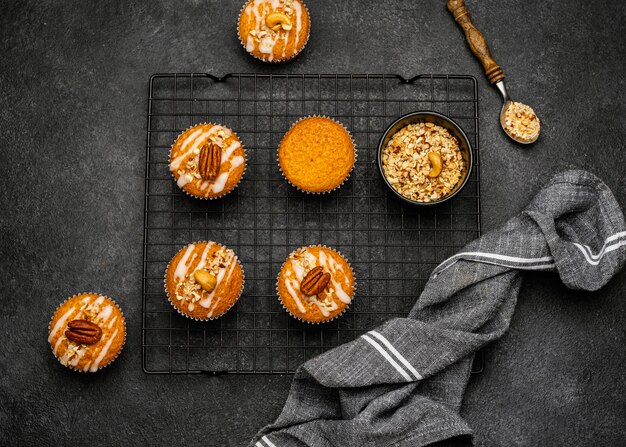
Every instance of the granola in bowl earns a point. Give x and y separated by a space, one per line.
423 162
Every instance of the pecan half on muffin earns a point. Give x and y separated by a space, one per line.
315 284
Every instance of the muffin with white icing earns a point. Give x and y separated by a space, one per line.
87 332
274 30
203 280
315 284
207 161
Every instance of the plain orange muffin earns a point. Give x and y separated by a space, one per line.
87 332
315 284
204 280
207 161
317 154
274 30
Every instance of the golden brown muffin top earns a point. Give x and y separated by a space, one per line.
317 154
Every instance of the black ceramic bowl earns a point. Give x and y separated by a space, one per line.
443 121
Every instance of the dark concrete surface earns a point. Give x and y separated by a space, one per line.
73 86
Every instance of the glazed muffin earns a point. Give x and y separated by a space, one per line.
87 332
207 161
315 284
316 154
204 280
274 30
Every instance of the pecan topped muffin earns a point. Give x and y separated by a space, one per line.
315 284
274 30
204 280
87 332
207 161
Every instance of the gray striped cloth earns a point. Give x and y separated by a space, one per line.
402 384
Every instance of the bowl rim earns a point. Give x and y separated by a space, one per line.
438 115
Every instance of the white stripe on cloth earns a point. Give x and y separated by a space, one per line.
398 356
604 246
269 443
258 444
606 250
542 263
534 263
387 357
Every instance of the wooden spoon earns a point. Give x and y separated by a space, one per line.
493 71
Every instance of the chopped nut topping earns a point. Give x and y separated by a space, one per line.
521 122
406 162
190 289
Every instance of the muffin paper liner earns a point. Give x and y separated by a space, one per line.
356 155
245 164
169 298
322 321
118 352
275 61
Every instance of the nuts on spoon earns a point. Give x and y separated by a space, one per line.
436 163
206 280
277 20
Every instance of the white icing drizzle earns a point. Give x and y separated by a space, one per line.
182 267
229 151
249 44
334 266
298 270
56 345
298 9
206 302
99 300
191 307
324 306
233 262
219 184
60 322
205 252
291 284
105 349
112 322
80 352
183 180
194 141
105 314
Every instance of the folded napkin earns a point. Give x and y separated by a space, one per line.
402 383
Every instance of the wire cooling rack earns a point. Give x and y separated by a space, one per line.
391 246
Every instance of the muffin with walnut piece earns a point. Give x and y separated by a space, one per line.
207 161
87 332
315 284
204 280
274 30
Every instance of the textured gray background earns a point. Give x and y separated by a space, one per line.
73 86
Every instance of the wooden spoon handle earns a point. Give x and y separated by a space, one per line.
475 40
